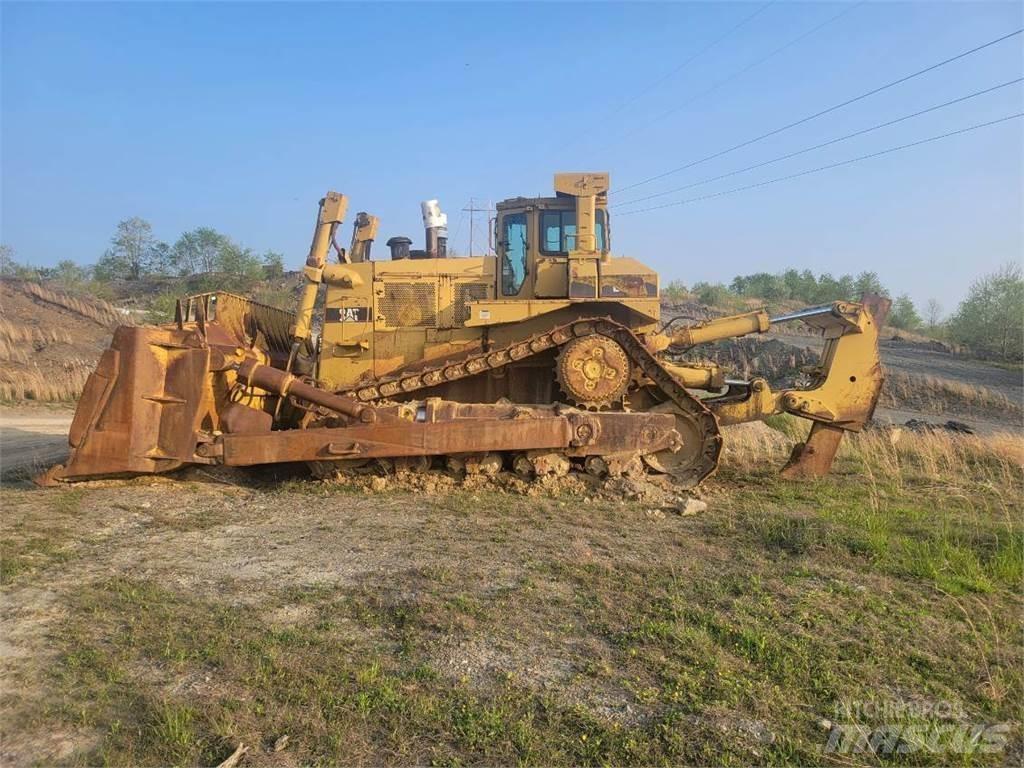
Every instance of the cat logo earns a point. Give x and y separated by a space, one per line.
347 314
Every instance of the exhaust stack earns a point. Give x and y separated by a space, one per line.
436 225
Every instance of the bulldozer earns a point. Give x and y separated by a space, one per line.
547 354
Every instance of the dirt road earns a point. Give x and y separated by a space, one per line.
919 359
32 440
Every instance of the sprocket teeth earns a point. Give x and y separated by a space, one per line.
593 364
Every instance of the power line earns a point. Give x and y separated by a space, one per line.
680 67
861 132
816 115
825 167
473 210
739 73
676 70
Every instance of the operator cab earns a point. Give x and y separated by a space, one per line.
551 247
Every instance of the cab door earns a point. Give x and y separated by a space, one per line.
513 247
556 237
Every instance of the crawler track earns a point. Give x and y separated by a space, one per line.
698 427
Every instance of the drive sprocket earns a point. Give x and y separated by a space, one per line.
593 371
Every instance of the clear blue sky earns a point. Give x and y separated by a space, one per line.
239 116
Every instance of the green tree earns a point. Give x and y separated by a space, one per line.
827 289
712 294
199 251
132 254
205 251
846 288
868 282
991 318
69 274
240 262
273 265
904 314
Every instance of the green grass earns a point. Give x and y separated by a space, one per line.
542 630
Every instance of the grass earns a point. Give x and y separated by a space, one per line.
493 629
934 394
29 545
30 382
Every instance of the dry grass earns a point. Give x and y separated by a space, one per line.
23 379
894 454
62 375
32 383
17 340
933 394
97 310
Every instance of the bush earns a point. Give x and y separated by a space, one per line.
904 314
675 291
712 294
991 319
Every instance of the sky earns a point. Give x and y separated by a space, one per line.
240 116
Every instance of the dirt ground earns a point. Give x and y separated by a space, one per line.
32 438
165 621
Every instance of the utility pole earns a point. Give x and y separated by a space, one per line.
473 210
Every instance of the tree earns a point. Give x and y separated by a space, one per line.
205 251
933 314
273 265
132 253
7 263
712 294
68 273
904 314
199 251
991 318
868 282
240 262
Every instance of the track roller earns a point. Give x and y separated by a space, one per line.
540 463
615 465
475 463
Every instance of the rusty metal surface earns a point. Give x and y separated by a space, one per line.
813 457
445 428
244 322
396 439
236 417
142 406
593 371
282 383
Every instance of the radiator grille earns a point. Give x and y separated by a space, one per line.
464 294
405 305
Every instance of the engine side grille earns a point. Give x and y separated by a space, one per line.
405 305
464 294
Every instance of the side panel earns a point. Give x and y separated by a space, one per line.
346 351
400 313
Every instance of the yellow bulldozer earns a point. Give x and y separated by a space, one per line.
546 355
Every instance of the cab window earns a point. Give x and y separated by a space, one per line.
558 232
513 258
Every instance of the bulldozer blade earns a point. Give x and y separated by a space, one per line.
142 406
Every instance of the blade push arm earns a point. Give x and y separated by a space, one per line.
332 213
